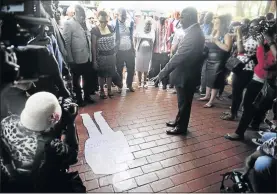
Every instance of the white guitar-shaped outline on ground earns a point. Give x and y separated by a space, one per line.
105 151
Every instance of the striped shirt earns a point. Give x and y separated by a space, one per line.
125 41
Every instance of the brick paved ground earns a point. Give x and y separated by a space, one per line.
164 163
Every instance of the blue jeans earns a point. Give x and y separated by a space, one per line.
268 135
265 174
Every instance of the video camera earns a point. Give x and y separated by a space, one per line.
244 27
17 20
265 26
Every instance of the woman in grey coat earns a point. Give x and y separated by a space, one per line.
144 41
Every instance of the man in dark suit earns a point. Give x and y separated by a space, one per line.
185 66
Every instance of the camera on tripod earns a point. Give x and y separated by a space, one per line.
18 20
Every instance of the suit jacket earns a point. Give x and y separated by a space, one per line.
77 42
186 63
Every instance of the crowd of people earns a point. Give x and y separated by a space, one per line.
185 51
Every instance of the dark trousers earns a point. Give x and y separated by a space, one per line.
185 97
223 84
89 79
203 78
159 60
239 83
250 113
129 58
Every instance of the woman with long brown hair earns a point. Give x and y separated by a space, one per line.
219 45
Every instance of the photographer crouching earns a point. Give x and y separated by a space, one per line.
32 158
261 167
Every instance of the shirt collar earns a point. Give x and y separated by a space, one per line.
186 30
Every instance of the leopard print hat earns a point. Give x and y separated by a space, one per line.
42 111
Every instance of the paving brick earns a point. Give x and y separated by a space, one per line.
162 185
185 167
170 162
183 188
134 148
141 134
163 141
106 189
93 184
157 131
152 138
146 178
129 137
186 157
142 153
159 149
125 185
151 167
156 157
148 145
90 175
166 172
137 162
148 129
136 141
142 189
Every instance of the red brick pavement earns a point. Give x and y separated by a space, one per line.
164 163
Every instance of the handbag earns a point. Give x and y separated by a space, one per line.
235 65
267 93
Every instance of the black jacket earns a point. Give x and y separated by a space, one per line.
186 63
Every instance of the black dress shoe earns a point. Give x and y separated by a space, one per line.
176 131
171 124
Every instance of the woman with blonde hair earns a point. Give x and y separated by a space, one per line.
219 47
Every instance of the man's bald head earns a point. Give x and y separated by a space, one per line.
188 17
122 14
70 11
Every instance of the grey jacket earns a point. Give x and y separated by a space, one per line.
186 63
77 42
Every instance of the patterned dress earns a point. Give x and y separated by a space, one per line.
106 57
144 49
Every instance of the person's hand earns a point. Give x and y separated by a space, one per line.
260 40
155 79
238 30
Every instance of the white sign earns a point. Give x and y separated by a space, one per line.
105 150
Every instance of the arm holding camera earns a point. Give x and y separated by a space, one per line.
239 40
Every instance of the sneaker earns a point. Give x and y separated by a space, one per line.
257 141
164 87
145 86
